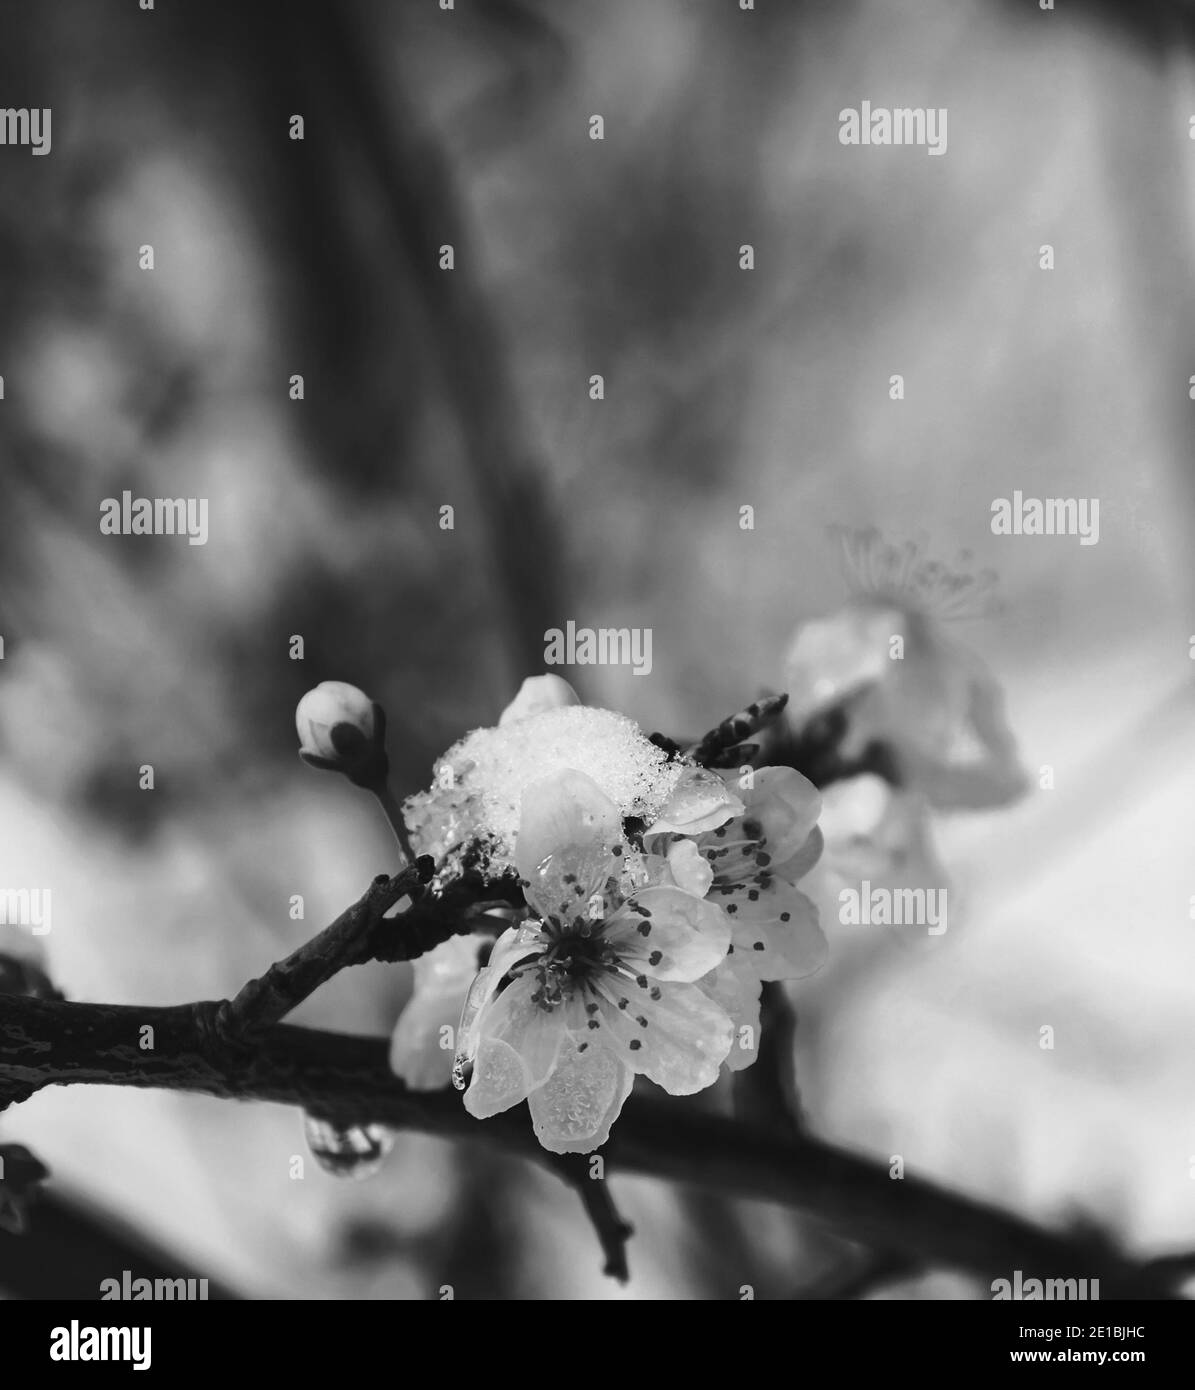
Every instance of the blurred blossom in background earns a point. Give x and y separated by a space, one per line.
723 388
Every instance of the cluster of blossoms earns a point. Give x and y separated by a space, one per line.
660 896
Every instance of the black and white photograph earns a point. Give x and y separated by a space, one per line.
597 670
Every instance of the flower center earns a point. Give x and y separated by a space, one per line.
575 956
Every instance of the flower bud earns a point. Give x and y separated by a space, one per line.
342 730
537 695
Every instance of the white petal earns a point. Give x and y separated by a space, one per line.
690 868
573 1110
776 949
679 1040
991 775
795 868
680 938
499 1079
786 805
568 832
418 1055
537 694
699 802
855 807
451 964
534 1033
515 944
834 657
737 993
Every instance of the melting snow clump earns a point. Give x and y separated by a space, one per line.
476 796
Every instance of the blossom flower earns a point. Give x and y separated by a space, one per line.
475 799
599 986
936 706
877 833
443 976
747 856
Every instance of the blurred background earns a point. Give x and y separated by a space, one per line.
470 388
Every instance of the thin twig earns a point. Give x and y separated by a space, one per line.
394 818
266 1001
612 1231
423 207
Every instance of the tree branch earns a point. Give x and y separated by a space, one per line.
266 1001
360 934
348 1079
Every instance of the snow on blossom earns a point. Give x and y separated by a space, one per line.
598 986
478 785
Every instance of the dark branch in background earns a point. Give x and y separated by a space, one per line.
859 1277
348 1080
765 1094
67 1250
414 182
815 750
21 1173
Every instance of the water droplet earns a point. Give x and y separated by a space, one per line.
355 1152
